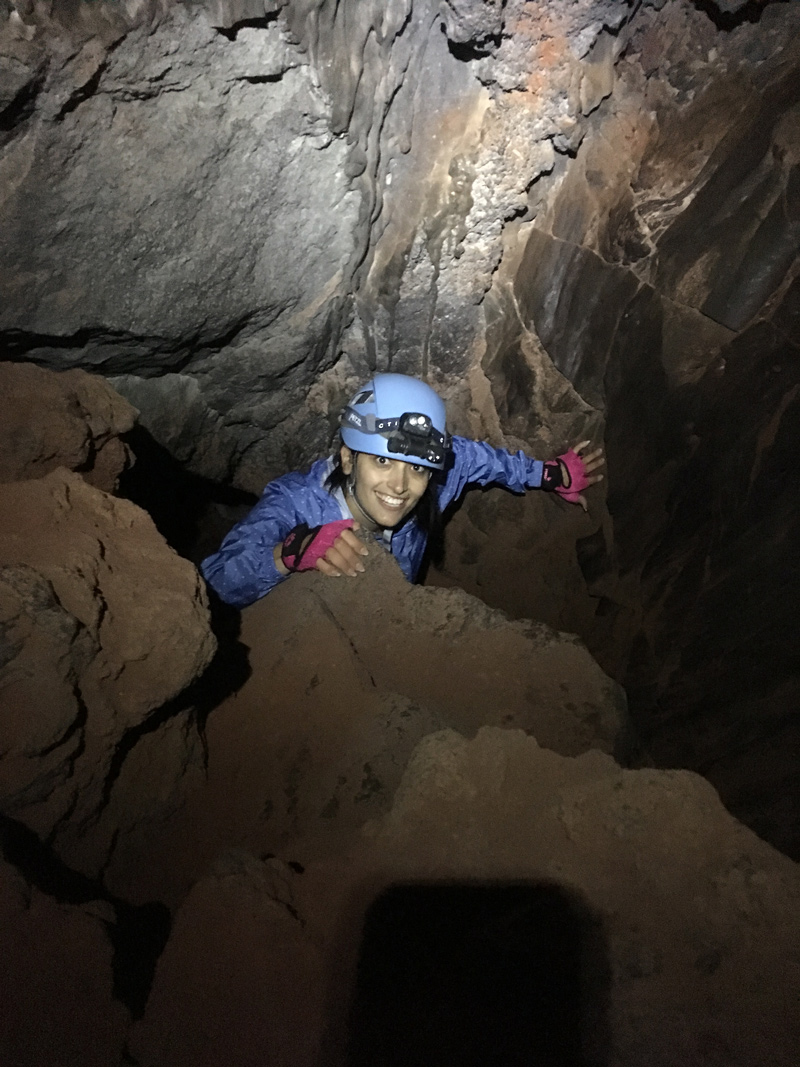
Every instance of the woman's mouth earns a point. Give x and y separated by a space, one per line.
394 503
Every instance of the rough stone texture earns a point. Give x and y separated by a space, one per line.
377 152
659 278
102 624
681 925
249 990
55 981
343 679
72 420
575 218
175 201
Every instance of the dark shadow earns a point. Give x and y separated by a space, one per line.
192 513
138 934
480 975
261 22
229 669
751 11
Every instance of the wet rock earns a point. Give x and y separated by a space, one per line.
102 625
72 420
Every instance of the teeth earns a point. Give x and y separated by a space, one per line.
390 501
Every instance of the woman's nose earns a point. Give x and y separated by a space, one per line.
398 477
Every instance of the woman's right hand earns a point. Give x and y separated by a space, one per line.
299 552
344 556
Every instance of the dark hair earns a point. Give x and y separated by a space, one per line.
427 512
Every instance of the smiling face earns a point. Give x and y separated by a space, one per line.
386 490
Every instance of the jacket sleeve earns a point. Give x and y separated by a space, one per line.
476 463
243 570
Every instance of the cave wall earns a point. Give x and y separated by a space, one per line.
175 207
576 219
674 240
237 210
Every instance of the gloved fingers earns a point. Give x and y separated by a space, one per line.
350 539
572 497
326 568
576 472
592 460
343 558
574 475
304 546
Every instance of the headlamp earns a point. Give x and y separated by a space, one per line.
411 434
414 423
404 444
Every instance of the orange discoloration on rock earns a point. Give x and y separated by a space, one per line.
552 51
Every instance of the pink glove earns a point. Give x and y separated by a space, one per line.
577 474
304 545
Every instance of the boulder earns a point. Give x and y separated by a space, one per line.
56 980
73 419
240 981
512 899
344 677
103 624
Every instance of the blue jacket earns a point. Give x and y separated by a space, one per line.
243 569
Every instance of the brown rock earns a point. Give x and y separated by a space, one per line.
55 981
72 419
699 952
45 653
512 898
699 918
104 624
346 677
240 981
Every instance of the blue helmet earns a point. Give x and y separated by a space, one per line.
399 417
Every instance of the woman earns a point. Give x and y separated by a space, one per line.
396 470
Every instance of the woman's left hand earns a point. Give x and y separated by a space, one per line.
591 461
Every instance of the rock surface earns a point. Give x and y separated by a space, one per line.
343 679
251 989
670 930
56 981
175 202
102 625
74 420
574 218
351 807
657 280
